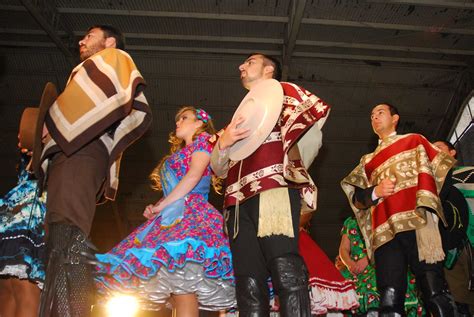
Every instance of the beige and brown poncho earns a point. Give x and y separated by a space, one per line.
104 99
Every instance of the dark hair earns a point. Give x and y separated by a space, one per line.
448 144
272 61
393 109
110 31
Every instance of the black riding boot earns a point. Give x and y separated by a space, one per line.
69 288
253 299
436 296
463 310
391 303
372 313
290 279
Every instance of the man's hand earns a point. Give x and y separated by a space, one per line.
232 134
385 188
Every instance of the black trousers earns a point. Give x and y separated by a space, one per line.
251 254
392 261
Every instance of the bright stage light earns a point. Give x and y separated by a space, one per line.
122 306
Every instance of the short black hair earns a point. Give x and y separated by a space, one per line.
447 143
110 31
392 108
270 60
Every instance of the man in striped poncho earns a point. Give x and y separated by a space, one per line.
101 111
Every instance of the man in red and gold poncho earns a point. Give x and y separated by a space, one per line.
263 197
395 194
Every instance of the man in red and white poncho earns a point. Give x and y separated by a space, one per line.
263 197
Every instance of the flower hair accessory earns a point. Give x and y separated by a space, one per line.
202 115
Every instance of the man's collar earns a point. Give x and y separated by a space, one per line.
391 134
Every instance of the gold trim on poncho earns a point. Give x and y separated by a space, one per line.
419 171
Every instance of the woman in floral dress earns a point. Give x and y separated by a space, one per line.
180 256
22 245
358 269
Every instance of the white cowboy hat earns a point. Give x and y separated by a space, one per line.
260 108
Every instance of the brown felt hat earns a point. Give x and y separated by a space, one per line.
48 97
26 134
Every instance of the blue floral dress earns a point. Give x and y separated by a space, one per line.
191 255
22 212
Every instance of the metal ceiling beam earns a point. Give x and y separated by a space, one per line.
372 58
9 7
411 49
390 26
235 39
293 27
49 29
198 49
26 44
254 18
25 31
169 14
232 79
155 36
456 4
257 40
420 86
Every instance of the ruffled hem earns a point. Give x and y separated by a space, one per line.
144 263
196 274
326 296
331 295
140 266
212 294
20 272
22 256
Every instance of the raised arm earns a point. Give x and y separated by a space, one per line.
220 161
220 154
